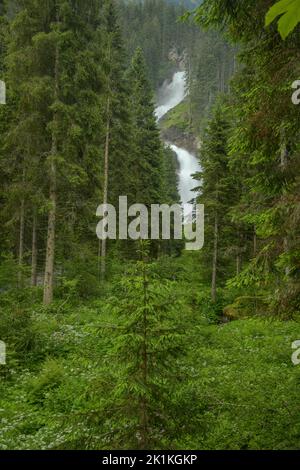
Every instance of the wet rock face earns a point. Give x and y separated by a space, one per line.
182 139
177 58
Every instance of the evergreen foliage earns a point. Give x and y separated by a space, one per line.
140 344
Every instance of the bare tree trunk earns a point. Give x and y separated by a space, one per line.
21 242
283 154
102 249
34 252
239 255
105 190
50 250
215 259
283 164
221 76
234 63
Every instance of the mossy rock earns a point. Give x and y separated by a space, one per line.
177 117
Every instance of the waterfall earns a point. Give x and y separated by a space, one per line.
188 165
170 95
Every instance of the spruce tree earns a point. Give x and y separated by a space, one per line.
58 102
146 341
147 170
118 144
265 144
216 193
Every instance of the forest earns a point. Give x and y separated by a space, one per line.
140 343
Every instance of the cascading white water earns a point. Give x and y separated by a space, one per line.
188 165
170 95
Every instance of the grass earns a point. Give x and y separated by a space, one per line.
178 117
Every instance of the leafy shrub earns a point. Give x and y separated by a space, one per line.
50 377
212 311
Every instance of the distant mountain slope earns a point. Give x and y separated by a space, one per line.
186 3
153 25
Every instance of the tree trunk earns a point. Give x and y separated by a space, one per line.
283 164
21 242
50 250
283 154
215 259
34 252
286 250
234 63
105 190
239 254
221 75
238 264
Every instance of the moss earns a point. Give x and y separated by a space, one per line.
178 117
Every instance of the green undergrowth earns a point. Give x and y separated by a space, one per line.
233 385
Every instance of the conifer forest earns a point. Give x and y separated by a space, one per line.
149 225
